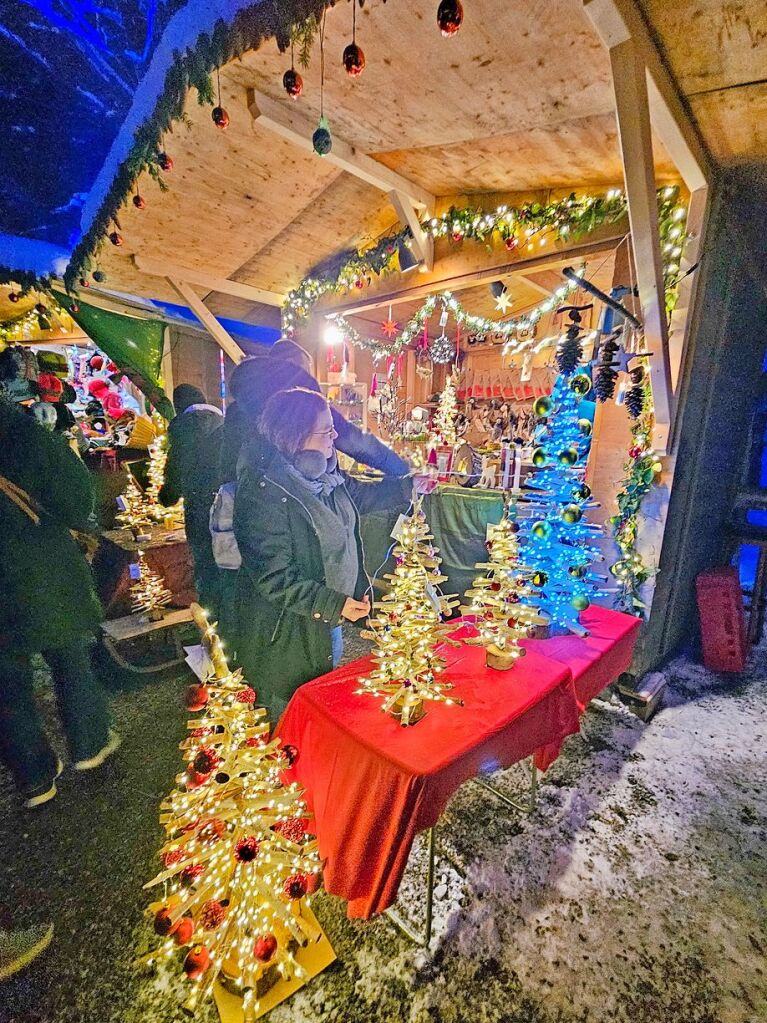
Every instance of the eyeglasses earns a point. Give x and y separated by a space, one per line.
325 433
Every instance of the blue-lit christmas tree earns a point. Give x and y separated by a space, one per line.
560 543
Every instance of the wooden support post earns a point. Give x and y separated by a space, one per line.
423 244
221 336
166 365
633 113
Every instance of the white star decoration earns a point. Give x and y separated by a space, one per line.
503 301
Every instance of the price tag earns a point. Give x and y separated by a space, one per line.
135 571
399 525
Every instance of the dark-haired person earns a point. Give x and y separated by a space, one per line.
296 520
191 472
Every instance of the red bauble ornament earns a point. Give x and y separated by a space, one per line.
511 242
184 930
84 283
196 962
40 309
13 296
139 201
165 162
212 915
74 307
206 760
312 882
196 697
246 695
293 83
246 849
220 118
457 236
163 924
635 452
190 874
116 238
254 742
212 829
291 753
294 829
449 16
265 947
495 586
359 283
295 886
172 857
511 622
353 60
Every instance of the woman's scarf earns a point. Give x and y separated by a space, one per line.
318 474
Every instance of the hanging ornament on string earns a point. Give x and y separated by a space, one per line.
114 236
606 370
389 327
138 200
353 57
570 349
165 162
441 349
219 115
423 364
501 296
634 400
449 17
292 82
322 140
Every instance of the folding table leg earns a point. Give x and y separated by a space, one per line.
424 938
532 800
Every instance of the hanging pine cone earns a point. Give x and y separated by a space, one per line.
604 383
635 401
570 351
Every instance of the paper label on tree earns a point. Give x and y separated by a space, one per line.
399 525
433 596
135 570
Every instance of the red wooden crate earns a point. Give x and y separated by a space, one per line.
722 620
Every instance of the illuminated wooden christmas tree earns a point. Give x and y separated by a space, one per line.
134 510
149 594
447 412
238 865
501 599
408 628
158 459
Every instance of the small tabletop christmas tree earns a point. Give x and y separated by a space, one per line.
158 458
444 420
408 628
149 594
561 543
238 865
134 510
501 598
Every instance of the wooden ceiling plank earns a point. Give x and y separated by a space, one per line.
221 336
208 281
545 282
298 129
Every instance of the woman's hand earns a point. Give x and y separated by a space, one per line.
353 610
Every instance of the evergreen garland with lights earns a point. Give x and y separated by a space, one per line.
408 628
237 865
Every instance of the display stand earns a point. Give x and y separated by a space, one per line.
131 627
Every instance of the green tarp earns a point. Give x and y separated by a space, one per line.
135 345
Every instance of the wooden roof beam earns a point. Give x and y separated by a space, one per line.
222 337
222 285
292 125
423 243
545 282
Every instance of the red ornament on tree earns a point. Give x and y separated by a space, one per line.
635 451
199 733
246 695
115 238
206 760
138 201
291 753
84 283
294 829
220 118
172 857
212 915
196 962
265 947
293 83
353 60
165 162
246 849
196 697
75 307
295 887
163 924
190 874
449 16
511 242
184 930
13 296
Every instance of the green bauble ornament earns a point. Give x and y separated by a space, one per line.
582 492
543 406
581 384
568 456
584 425
580 603
540 457
571 514
539 578
542 529
99 276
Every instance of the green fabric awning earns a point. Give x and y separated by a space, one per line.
135 345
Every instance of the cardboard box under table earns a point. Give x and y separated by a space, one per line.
373 785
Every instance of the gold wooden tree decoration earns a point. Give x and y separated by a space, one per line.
134 510
447 412
500 599
149 594
238 866
408 628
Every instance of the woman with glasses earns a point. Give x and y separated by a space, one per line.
296 521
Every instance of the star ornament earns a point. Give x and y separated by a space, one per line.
503 301
389 327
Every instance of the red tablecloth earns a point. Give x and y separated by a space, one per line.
598 659
373 785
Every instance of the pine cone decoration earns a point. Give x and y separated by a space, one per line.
635 401
570 351
604 384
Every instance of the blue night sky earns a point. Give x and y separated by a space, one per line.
68 70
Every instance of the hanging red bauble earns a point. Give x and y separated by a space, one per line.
291 753
295 886
293 83
246 695
196 962
246 849
163 924
84 283
495 586
190 874
449 16
13 296
265 947
312 882
75 307
165 162
184 930
635 451
457 236
206 760
196 696
212 915
139 201
353 60
220 118
511 242
116 238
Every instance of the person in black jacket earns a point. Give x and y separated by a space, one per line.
191 472
296 520
49 605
